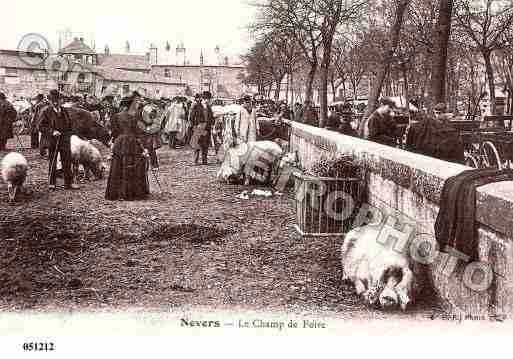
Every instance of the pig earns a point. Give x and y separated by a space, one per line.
381 274
251 161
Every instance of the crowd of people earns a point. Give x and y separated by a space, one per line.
184 122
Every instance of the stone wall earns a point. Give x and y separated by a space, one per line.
409 185
27 82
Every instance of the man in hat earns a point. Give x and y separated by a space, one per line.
56 125
38 104
440 112
202 119
191 110
8 115
381 127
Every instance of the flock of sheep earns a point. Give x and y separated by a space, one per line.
14 165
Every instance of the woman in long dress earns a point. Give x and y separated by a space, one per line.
128 179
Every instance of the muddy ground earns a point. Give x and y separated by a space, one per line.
192 244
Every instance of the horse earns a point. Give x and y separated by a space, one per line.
86 126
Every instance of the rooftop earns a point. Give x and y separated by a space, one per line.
109 73
125 61
77 46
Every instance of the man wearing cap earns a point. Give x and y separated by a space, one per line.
56 125
381 127
8 115
440 112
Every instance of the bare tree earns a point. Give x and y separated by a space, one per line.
439 64
484 27
298 19
331 14
395 30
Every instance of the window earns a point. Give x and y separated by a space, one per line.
40 76
11 72
81 77
126 89
167 73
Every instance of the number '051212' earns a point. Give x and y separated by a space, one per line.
35 346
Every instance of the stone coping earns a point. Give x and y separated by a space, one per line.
421 174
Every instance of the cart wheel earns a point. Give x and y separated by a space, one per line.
471 161
490 155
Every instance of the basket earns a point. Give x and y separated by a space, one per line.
331 212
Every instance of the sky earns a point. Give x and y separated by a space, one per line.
198 23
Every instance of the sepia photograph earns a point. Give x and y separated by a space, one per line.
281 172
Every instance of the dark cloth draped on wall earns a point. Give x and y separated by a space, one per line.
455 226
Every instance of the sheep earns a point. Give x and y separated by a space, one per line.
381 274
86 154
14 173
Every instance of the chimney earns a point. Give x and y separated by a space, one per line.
153 55
180 54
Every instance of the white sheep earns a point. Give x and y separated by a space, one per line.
380 273
14 173
86 154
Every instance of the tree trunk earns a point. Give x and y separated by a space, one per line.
333 89
277 90
310 80
383 70
404 69
491 84
292 86
287 90
355 89
439 58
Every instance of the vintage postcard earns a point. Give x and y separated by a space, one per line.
328 177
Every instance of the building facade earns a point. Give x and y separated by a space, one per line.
77 68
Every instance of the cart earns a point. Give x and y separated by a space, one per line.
487 143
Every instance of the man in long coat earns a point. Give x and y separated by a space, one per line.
245 124
381 127
174 119
55 124
8 115
202 119
39 104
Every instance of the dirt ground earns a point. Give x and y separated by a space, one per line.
192 244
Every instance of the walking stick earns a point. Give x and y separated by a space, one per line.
155 177
54 160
